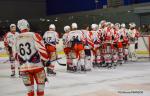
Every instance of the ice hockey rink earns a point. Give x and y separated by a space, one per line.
130 79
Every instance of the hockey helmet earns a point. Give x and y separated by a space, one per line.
94 27
132 25
52 26
12 25
23 24
74 26
123 25
117 25
66 28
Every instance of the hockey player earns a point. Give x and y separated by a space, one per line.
77 40
67 48
114 45
9 42
132 40
119 38
102 24
107 45
96 50
88 46
125 40
31 55
51 38
102 27
102 30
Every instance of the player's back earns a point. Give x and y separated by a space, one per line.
50 36
76 34
26 49
65 36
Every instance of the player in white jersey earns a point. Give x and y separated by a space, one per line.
125 42
102 31
32 56
77 40
97 42
67 48
9 42
132 32
119 40
51 38
108 44
88 47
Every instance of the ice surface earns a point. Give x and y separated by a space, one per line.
132 76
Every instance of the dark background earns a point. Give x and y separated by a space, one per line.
41 13
67 6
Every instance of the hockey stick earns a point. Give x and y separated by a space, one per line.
3 62
58 58
62 64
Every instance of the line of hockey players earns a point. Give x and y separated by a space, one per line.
106 44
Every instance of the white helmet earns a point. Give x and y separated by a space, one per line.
52 26
67 28
23 24
132 25
103 22
108 23
112 25
12 25
94 27
123 25
74 26
117 25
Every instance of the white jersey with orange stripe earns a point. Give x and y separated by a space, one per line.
30 51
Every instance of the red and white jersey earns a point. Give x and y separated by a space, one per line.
76 36
88 35
64 38
116 35
51 37
30 51
95 37
108 34
124 32
10 38
102 31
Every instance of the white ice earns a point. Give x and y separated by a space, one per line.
132 76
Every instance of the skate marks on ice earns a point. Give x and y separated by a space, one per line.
74 89
101 93
94 82
131 86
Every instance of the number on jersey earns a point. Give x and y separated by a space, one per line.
25 48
